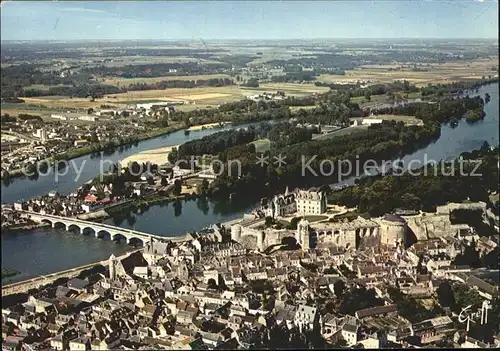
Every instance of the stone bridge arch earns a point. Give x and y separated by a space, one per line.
135 241
72 227
48 221
58 224
89 231
119 237
103 234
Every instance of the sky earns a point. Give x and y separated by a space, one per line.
172 20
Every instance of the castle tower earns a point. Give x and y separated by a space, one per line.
112 267
302 235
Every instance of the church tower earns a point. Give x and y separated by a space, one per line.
112 267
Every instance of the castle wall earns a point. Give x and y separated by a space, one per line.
342 237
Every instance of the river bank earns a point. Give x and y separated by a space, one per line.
209 126
85 168
24 227
83 151
157 156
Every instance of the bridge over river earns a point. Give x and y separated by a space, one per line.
97 229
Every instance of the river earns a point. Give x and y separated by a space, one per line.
25 188
57 251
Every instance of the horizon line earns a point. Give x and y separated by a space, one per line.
248 39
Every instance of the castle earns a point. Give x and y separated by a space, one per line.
303 202
360 233
389 230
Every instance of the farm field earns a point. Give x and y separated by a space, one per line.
211 96
16 109
437 73
294 89
125 82
144 60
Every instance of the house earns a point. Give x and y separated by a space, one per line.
138 189
350 332
186 317
433 330
370 271
90 198
471 343
61 341
81 143
485 289
141 272
80 344
390 310
79 284
305 316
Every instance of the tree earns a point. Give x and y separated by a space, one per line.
421 269
445 294
164 181
203 187
487 98
212 284
339 288
293 223
252 83
269 221
368 96
465 296
470 257
94 138
177 187
90 111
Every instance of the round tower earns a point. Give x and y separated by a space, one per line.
393 230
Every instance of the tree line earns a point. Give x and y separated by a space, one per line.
377 195
164 84
384 141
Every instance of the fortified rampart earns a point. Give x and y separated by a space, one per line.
34 283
